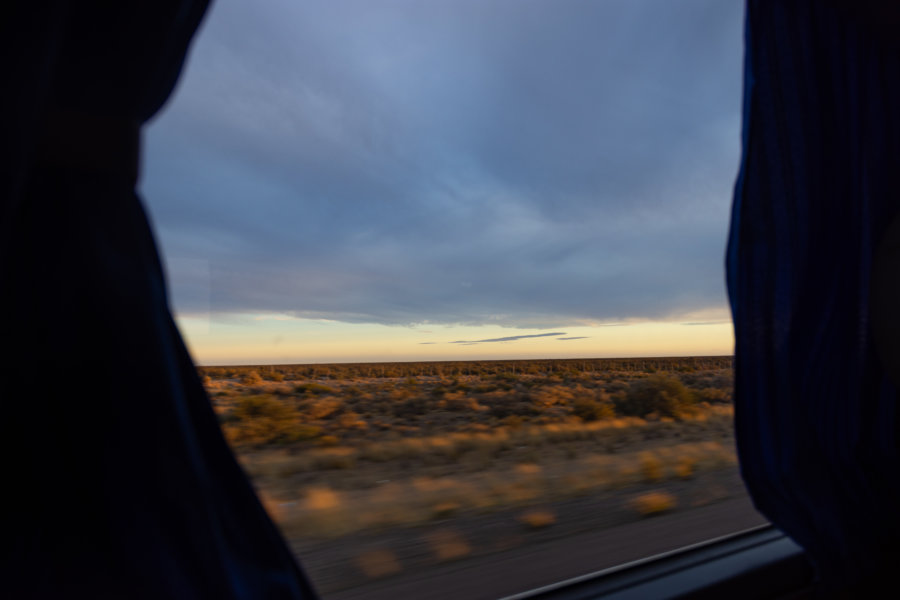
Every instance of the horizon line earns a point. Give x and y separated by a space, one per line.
506 360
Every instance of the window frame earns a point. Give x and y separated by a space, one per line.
757 563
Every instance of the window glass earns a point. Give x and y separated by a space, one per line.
429 255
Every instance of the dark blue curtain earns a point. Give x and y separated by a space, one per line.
816 413
118 482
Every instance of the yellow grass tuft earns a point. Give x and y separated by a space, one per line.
651 467
528 469
448 544
445 509
322 498
537 519
653 503
685 467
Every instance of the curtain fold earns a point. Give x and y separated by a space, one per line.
815 413
119 482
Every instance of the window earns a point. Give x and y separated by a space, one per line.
454 238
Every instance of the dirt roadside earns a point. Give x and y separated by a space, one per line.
488 556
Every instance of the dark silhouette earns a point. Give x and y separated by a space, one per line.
113 490
815 410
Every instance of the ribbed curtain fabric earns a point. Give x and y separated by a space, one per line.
816 414
117 480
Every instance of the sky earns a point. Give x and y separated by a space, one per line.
380 180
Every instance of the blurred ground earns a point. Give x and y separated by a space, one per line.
480 480
488 556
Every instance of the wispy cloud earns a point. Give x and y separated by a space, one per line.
511 338
576 337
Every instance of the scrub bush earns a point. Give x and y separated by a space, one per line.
658 395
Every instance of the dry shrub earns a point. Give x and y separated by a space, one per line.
387 506
322 498
589 409
528 469
322 407
352 420
445 509
553 395
651 467
251 378
482 467
515 492
653 503
314 389
321 511
460 402
610 434
405 502
685 467
537 518
448 544
261 420
658 394
713 395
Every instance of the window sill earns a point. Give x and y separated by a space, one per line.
757 563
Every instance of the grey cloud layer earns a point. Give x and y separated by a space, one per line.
524 163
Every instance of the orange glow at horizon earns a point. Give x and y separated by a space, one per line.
285 340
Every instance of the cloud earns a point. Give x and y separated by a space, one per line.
528 164
577 337
511 338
